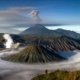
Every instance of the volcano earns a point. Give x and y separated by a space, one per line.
57 44
34 54
35 29
40 30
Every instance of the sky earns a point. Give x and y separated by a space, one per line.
75 28
17 13
60 11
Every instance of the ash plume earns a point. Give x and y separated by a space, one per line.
35 16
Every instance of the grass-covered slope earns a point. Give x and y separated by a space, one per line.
34 54
59 75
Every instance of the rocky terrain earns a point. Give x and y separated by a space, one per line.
42 50
34 54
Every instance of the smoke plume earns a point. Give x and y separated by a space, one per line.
35 16
9 41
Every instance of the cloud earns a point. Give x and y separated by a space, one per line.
20 17
9 30
75 28
12 17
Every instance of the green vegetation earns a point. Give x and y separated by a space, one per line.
59 75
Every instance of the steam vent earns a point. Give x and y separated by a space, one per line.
34 54
9 41
12 41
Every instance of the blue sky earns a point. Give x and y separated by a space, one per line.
60 11
17 13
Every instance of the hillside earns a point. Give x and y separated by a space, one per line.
16 38
62 43
68 33
40 30
34 54
59 75
42 50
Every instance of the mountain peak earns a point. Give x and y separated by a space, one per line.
40 30
35 29
37 25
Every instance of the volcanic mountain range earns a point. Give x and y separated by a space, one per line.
35 54
43 45
40 30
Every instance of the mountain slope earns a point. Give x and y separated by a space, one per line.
68 33
34 54
40 30
62 43
16 39
42 50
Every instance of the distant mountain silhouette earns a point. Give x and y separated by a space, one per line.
68 33
34 54
40 30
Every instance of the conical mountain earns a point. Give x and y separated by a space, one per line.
35 29
41 30
38 30
34 54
